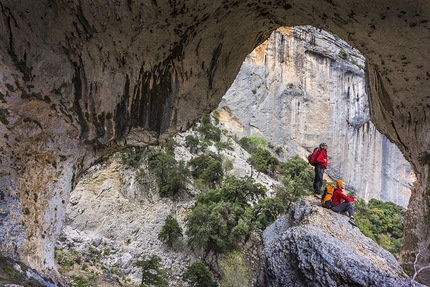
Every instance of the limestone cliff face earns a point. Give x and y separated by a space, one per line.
303 87
81 79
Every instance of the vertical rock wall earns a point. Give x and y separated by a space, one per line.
304 86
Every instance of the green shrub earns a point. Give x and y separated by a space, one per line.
222 217
343 54
79 281
263 161
208 130
265 212
153 273
172 177
192 143
197 275
170 231
131 156
297 180
227 165
170 146
234 271
251 143
382 222
207 167
224 145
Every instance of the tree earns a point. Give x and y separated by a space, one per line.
263 161
172 177
197 275
192 143
251 143
170 231
207 167
234 271
152 272
209 131
222 217
265 212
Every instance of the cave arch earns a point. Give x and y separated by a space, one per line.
81 80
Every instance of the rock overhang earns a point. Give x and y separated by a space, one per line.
81 80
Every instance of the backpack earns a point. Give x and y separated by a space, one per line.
313 156
327 196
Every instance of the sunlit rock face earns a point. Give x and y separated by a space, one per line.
302 87
80 79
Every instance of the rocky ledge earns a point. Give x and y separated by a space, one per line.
314 246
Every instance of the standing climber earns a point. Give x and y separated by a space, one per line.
342 203
321 164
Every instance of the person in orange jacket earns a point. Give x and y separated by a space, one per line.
342 203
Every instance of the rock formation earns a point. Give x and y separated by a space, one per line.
304 86
81 79
314 246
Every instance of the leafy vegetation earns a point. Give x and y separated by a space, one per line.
172 176
222 217
263 161
131 156
153 273
234 271
207 167
208 130
170 231
197 275
297 180
192 143
251 143
382 222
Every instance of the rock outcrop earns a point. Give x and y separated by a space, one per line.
314 246
81 79
304 86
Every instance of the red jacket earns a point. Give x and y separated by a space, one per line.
339 197
322 159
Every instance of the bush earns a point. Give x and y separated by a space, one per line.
172 177
263 161
207 167
170 146
170 231
382 222
192 143
197 275
131 156
234 271
153 273
265 212
251 143
297 179
222 217
209 131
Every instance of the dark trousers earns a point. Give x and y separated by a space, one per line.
318 181
344 207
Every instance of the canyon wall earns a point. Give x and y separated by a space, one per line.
80 80
304 86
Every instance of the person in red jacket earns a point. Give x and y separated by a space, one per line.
322 160
342 203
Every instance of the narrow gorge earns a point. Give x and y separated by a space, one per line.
304 86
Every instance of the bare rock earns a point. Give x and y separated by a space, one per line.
314 246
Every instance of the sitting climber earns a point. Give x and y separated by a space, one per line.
342 203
